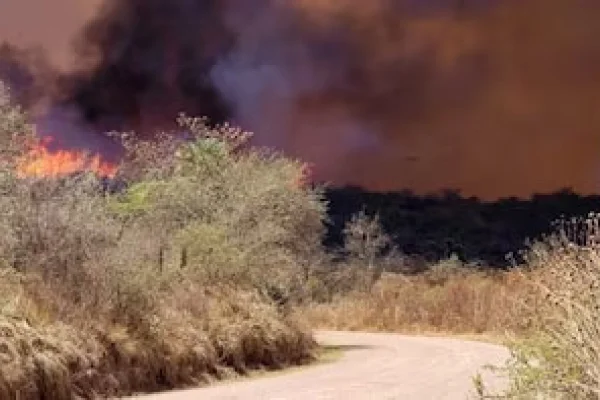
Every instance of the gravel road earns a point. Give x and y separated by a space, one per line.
373 366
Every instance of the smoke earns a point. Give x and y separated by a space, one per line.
494 99
49 26
150 59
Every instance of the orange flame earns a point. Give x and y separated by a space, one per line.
41 162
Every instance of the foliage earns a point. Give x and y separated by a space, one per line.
177 270
560 359
433 227
231 216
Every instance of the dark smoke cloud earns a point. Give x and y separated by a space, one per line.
493 99
151 59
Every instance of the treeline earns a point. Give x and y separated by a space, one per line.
435 227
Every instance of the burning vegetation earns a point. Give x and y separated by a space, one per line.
42 162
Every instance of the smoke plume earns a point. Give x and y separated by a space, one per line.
491 98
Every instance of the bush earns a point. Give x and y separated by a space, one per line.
561 358
226 215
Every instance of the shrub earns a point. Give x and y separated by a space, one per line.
229 216
561 359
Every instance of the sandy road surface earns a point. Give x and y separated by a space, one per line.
375 366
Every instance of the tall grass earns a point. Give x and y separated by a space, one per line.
440 300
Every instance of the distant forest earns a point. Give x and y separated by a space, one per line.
434 227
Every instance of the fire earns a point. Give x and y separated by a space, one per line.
41 162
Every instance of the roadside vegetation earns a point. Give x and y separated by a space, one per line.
545 309
177 276
559 357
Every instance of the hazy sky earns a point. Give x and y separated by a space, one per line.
51 24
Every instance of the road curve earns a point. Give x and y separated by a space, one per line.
375 366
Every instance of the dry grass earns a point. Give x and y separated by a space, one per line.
448 297
44 358
458 302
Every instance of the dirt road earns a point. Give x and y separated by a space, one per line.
373 366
